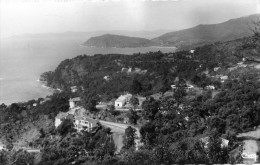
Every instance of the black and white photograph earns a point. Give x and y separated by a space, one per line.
129 82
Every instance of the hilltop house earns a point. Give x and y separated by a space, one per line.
78 115
122 100
84 123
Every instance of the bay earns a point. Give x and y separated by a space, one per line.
22 60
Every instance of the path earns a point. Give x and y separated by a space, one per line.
118 127
119 130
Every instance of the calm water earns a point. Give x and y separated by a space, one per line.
23 60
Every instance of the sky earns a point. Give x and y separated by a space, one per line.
54 16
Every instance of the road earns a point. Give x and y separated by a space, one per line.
118 130
118 127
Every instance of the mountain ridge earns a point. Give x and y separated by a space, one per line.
118 41
209 33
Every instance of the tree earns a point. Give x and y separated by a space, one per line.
134 101
150 108
113 111
188 150
136 87
132 116
142 157
129 138
2 106
89 101
165 86
4 157
20 158
179 95
217 153
65 127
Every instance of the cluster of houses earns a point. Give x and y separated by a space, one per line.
79 116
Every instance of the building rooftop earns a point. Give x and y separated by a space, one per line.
72 110
75 99
123 97
61 115
80 112
86 118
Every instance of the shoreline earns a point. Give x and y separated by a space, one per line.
164 47
43 85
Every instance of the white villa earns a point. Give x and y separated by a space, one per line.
79 116
122 100
83 122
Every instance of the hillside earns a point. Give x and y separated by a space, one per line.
87 34
118 41
205 34
184 118
153 70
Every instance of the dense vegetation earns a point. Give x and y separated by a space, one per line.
172 128
118 41
172 133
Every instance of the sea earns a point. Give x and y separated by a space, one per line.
23 59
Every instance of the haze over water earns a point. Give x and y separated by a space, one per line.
23 60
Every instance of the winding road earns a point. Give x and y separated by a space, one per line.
118 130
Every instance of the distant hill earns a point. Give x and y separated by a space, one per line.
118 41
206 34
84 69
87 34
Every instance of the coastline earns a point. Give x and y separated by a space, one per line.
43 92
44 85
164 47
